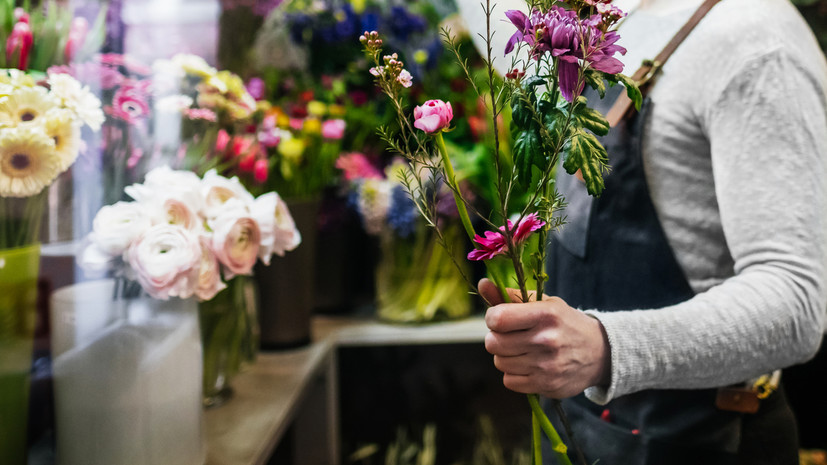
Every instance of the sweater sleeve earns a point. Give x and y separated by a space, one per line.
767 129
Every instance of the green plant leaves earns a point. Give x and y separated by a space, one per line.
527 152
585 153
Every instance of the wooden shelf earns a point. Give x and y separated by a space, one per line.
271 394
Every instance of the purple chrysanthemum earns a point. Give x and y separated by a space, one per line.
574 42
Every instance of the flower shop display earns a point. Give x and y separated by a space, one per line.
187 237
40 124
421 276
568 46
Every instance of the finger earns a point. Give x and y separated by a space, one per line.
517 317
520 383
507 344
489 292
518 365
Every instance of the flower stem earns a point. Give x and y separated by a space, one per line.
536 440
557 444
451 179
452 182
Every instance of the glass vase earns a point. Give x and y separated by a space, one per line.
18 306
417 281
127 378
230 336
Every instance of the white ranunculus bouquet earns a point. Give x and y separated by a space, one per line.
183 236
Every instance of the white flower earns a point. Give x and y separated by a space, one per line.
221 194
278 230
209 273
235 240
173 103
374 201
166 260
116 226
77 98
164 183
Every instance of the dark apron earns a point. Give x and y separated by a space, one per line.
612 255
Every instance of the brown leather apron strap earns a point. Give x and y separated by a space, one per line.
649 70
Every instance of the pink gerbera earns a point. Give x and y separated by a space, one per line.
494 243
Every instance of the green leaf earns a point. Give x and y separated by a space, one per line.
585 153
595 80
522 109
632 89
590 118
555 120
528 151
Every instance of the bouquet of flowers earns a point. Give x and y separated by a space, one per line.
568 46
40 138
184 236
416 279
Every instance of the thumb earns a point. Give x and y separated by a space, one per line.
489 292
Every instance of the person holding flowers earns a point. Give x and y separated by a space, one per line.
676 295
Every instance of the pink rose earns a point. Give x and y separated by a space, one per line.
333 129
433 116
236 241
166 260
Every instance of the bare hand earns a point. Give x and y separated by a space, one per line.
544 347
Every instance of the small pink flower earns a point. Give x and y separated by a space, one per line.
247 162
333 129
296 123
261 171
433 116
201 113
130 103
405 78
356 166
222 140
236 241
209 273
494 244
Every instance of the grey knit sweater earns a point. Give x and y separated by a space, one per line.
735 153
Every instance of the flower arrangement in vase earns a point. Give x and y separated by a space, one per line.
420 276
40 126
564 46
184 236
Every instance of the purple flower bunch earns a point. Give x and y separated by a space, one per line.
573 42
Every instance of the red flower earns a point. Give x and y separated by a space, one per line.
493 243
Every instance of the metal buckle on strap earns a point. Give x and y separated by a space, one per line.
654 66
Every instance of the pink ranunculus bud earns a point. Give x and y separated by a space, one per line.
433 116
257 88
19 45
261 171
333 129
76 38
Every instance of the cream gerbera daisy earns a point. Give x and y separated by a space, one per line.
25 106
28 162
60 125
77 98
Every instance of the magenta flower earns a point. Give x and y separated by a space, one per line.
494 243
574 42
77 36
433 116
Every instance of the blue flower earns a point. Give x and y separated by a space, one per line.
402 23
402 214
